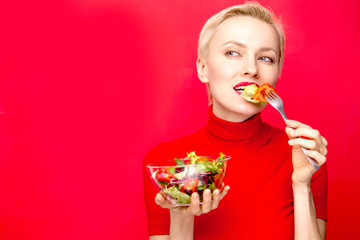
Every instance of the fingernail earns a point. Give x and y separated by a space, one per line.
292 133
291 142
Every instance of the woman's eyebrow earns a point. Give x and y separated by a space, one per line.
235 43
263 49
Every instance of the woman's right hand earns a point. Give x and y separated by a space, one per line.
209 202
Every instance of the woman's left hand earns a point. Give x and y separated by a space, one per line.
315 145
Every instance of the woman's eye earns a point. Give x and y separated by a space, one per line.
232 53
266 59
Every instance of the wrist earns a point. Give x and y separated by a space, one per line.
181 226
300 182
181 217
301 187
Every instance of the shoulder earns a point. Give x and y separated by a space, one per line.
175 148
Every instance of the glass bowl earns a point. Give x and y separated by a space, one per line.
179 178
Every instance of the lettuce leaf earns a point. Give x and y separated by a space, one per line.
179 162
221 157
176 194
249 92
208 167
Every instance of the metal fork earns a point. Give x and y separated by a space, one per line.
276 101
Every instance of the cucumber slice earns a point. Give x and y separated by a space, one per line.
249 92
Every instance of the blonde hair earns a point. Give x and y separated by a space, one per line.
251 9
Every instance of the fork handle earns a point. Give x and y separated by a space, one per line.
311 160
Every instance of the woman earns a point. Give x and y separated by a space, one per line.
276 193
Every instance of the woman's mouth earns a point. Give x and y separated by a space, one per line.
239 88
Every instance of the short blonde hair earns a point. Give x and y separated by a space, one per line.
251 9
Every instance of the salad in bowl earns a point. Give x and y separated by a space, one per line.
179 178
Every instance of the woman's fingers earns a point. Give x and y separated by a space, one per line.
306 137
296 124
207 201
305 132
319 158
160 199
324 141
195 208
308 144
210 202
216 199
224 192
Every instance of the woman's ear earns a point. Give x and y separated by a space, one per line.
201 70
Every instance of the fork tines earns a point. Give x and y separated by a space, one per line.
272 95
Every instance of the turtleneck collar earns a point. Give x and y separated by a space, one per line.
234 131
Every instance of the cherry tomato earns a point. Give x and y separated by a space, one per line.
263 90
218 178
164 176
190 186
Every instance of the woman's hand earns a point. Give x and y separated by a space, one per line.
310 139
209 203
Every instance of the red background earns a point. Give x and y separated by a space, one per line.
88 87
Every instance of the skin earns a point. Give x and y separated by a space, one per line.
245 49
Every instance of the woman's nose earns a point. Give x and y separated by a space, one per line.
249 67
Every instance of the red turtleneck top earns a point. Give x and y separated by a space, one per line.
259 204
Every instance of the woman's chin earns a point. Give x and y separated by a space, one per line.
237 113
248 108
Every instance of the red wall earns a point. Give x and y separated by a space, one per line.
88 87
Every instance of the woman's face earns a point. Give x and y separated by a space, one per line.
243 50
